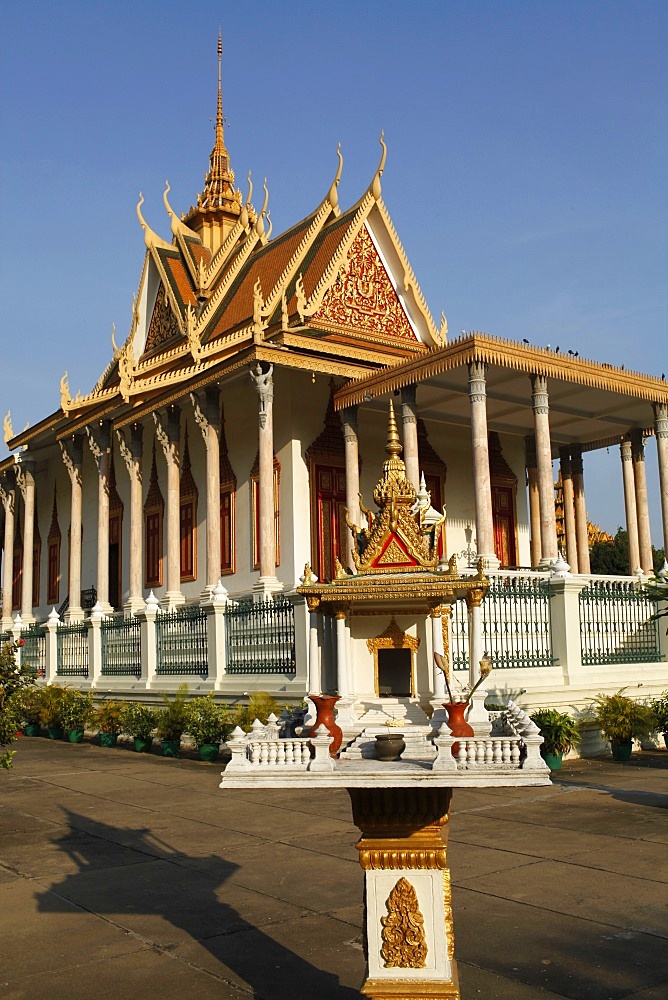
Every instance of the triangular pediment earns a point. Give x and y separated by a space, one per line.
164 325
362 302
394 555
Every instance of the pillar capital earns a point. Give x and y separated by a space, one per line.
477 381
24 471
206 410
637 444
625 449
264 384
167 432
349 423
660 419
7 494
539 394
408 404
131 449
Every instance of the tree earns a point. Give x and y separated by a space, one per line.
612 557
12 678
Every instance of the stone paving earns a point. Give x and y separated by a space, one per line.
125 875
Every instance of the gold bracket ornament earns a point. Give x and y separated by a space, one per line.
7 424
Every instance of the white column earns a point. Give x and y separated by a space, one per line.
569 508
481 478
548 523
267 584
581 533
314 672
207 416
168 429
642 504
99 439
8 498
410 435
475 635
26 483
95 645
131 452
72 451
345 714
149 660
661 432
630 504
216 635
351 445
52 623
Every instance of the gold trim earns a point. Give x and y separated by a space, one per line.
411 989
393 638
404 944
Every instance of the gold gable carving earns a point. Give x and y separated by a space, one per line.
163 325
394 555
404 942
363 299
393 638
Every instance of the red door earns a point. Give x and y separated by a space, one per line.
331 528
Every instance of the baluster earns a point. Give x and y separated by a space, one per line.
515 753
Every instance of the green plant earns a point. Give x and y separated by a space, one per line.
13 679
560 732
622 719
107 716
172 720
260 705
208 722
50 711
138 720
76 708
27 703
659 707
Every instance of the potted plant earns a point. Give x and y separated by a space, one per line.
172 721
560 734
621 720
76 708
207 724
27 704
107 718
260 705
139 721
50 714
659 707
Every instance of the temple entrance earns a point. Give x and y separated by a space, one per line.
395 673
115 562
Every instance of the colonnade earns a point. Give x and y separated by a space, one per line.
20 480
540 479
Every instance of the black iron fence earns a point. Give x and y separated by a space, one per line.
615 624
33 653
261 637
181 642
72 650
121 646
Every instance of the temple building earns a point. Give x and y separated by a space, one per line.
242 422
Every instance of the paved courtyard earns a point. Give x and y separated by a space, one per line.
132 876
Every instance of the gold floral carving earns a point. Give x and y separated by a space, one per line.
392 638
449 924
163 325
404 944
363 299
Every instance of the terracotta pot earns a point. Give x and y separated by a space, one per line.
456 722
324 706
389 746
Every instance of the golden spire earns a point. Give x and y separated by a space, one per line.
219 199
393 446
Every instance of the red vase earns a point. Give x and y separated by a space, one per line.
456 722
324 706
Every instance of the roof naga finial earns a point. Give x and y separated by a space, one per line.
375 186
333 196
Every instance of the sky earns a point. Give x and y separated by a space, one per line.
526 168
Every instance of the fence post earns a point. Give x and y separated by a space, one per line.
51 666
215 625
95 645
301 617
147 619
565 621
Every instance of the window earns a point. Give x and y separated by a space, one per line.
154 508
53 557
227 505
188 516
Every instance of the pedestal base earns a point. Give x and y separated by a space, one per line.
173 599
266 587
408 909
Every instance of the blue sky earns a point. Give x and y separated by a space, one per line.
526 171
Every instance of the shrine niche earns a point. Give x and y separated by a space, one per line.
362 302
394 652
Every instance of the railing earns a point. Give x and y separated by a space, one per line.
33 653
121 646
72 650
261 637
181 642
88 600
515 624
615 626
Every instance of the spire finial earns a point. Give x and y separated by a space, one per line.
219 111
393 446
